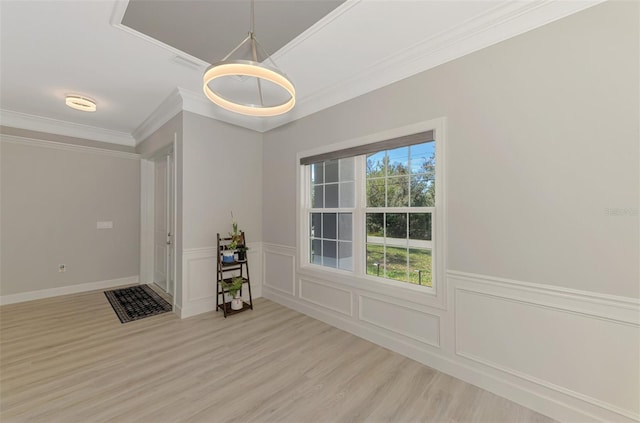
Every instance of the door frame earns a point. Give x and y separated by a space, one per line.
147 215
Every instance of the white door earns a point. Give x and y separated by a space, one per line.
161 218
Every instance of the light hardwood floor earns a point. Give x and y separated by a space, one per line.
69 359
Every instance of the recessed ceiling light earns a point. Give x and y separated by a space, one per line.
78 102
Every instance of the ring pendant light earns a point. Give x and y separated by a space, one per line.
250 68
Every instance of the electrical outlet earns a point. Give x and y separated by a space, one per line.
62 268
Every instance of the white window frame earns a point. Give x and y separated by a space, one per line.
358 277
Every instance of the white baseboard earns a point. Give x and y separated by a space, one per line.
65 290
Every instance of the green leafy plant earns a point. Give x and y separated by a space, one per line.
235 235
233 287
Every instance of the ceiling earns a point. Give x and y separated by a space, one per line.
333 51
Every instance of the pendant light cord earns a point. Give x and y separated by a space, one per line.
252 24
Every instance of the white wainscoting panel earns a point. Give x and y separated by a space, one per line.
572 355
575 344
326 295
279 268
400 319
199 270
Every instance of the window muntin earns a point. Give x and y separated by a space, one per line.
332 199
395 213
400 201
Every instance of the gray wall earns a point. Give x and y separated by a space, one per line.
543 136
222 174
51 201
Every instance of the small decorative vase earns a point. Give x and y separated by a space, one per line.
241 255
227 256
236 303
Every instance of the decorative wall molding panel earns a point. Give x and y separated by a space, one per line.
199 267
551 338
279 271
571 355
325 295
65 290
399 319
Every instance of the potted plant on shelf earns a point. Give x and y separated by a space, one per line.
233 289
242 252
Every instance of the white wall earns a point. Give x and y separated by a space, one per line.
53 195
540 302
222 173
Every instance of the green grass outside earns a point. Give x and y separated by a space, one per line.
396 264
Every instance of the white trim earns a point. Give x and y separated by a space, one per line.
67 147
147 193
405 306
198 103
498 24
326 285
502 22
284 251
62 127
65 290
166 110
440 361
564 403
610 307
437 293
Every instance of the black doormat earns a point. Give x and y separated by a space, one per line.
136 302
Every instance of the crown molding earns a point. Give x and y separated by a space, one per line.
170 106
498 24
199 104
61 127
67 147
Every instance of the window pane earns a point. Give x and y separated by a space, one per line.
317 196
420 266
344 226
347 194
317 173
420 226
423 158
329 254
375 193
375 165
329 227
396 225
331 171
345 256
398 161
396 264
331 195
316 251
398 192
316 225
375 224
347 168
375 260
423 191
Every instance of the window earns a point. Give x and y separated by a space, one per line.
400 201
371 210
332 200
